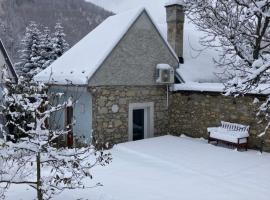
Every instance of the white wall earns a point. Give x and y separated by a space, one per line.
82 112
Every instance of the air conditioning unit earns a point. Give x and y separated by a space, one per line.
165 74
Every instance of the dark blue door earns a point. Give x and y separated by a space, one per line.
138 124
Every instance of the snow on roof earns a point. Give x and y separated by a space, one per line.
79 63
199 65
200 87
263 89
174 2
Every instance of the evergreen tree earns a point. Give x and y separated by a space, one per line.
31 59
40 49
14 112
46 48
60 45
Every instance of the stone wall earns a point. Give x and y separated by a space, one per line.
175 21
192 112
113 127
189 113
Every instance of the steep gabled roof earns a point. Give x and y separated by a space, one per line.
199 65
80 63
8 62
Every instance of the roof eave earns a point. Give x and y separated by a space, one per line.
7 59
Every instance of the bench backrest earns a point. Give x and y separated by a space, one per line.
234 127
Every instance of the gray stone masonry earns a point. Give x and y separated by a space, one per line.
192 113
113 127
189 113
175 32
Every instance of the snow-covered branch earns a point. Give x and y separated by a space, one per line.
240 31
29 153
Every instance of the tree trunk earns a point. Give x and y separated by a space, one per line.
39 193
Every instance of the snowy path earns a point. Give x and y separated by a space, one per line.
173 168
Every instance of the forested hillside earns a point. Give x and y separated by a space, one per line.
76 16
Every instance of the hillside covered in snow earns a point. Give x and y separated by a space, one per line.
78 18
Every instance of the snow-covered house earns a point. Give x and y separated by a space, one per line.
115 72
6 71
6 66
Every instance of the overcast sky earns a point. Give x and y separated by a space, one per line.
156 7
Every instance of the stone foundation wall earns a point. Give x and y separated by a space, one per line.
191 113
113 127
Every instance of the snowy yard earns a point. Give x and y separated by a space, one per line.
173 168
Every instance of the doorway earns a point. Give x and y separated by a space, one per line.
141 123
138 124
69 126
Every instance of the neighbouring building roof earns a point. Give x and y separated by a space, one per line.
5 60
199 87
198 64
80 63
262 89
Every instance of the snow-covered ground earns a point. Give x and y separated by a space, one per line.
174 168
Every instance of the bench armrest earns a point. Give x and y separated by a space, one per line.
238 139
209 129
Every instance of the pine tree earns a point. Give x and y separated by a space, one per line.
46 48
17 116
31 60
40 49
60 45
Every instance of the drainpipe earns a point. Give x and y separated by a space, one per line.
167 96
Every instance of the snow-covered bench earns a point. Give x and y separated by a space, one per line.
230 133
